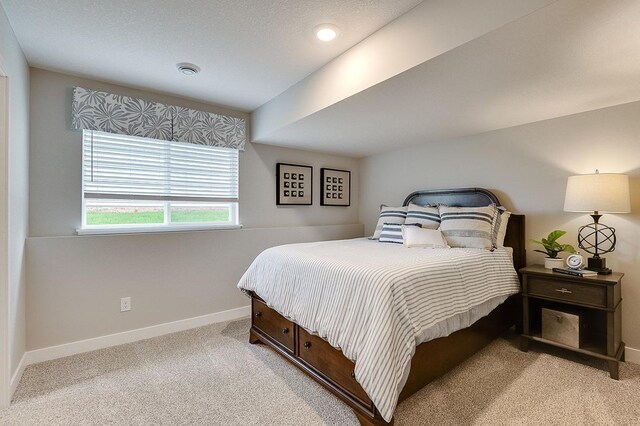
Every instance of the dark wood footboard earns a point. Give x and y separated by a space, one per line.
329 367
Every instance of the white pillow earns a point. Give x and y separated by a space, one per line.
389 215
502 228
414 236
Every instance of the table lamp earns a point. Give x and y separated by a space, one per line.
597 193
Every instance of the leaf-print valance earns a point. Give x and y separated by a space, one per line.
106 112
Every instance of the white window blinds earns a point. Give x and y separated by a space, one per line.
136 168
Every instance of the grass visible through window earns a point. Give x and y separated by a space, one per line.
200 215
144 216
118 218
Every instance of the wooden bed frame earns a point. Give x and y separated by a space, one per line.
333 370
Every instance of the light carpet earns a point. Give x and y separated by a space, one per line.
213 376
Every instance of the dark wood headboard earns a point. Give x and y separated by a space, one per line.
477 197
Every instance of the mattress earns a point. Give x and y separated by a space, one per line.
377 301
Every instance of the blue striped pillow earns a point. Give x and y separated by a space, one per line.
427 216
389 215
392 232
469 227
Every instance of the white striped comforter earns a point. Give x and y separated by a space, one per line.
378 301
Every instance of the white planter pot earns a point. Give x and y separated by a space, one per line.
550 263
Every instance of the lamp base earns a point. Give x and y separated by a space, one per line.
599 265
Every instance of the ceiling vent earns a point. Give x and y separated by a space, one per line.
187 68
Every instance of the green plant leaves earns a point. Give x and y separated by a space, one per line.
568 248
551 245
554 235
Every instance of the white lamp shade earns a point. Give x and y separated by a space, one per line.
598 192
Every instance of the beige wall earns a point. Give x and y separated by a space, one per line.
527 167
75 283
56 154
15 189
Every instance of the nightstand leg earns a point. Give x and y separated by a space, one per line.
524 344
614 369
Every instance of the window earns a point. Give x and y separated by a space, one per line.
134 182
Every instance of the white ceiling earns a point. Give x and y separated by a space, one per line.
569 57
249 50
566 57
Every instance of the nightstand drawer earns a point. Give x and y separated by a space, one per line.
588 294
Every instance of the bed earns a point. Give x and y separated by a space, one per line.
405 316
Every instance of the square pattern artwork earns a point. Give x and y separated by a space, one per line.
294 184
336 187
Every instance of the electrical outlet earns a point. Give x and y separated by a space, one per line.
125 304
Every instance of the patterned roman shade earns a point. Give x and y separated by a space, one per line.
205 128
106 112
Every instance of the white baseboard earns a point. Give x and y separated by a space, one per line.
13 385
88 345
632 355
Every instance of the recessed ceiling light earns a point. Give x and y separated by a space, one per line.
326 32
188 69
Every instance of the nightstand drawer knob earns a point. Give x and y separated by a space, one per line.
559 318
563 290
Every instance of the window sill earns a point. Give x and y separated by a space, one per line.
153 230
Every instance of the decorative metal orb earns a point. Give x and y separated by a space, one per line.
605 236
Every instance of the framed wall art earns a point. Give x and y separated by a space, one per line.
336 187
294 185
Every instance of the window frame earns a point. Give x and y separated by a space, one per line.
167 225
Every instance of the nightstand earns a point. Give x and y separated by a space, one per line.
597 301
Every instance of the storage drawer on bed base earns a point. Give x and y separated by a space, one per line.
330 362
273 324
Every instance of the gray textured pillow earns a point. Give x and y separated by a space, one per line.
502 221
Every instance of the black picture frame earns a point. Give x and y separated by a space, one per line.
335 187
285 173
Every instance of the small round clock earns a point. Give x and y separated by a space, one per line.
575 261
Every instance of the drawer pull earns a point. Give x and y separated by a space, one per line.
563 290
285 330
559 318
307 345
258 314
353 374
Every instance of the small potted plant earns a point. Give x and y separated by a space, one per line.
552 248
